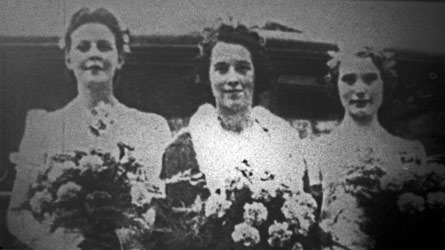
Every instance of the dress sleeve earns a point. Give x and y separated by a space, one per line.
29 162
150 136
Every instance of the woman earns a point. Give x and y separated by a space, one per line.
234 132
94 55
363 80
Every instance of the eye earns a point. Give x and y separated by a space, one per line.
221 67
243 67
104 46
349 79
83 46
369 78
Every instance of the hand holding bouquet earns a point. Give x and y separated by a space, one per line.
97 195
249 209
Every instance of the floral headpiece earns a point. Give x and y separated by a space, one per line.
229 25
385 58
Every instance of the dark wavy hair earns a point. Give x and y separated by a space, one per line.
241 35
101 16
382 60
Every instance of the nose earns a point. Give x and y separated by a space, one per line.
94 52
360 94
360 89
232 78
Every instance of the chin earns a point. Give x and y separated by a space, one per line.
235 106
361 115
97 83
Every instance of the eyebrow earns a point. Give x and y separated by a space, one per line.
244 62
220 63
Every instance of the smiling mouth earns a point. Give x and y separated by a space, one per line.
93 66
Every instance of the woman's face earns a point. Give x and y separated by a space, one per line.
93 56
360 87
231 76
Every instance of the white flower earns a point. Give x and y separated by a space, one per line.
255 213
246 234
299 209
38 199
68 190
279 234
234 183
93 162
58 168
140 194
326 126
217 204
436 199
297 246
149 217
411 203
265 190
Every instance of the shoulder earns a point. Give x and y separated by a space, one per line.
33 140
276 126
148 124
404 145
410 151
268 119
144 118
36 116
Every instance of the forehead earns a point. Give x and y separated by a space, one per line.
93 32
358 65
230 52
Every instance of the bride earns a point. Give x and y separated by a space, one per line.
94 55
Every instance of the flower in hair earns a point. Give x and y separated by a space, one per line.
126 39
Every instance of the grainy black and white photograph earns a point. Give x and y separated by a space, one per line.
215 125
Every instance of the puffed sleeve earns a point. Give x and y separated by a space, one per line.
149 134
29 161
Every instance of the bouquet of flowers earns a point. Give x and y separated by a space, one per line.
106 199
393 207
415 215
249 209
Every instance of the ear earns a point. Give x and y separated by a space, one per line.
68 60
120 62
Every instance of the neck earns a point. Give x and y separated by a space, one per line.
235 121
92 96
362 127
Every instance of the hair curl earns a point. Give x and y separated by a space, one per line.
384 62
241 35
